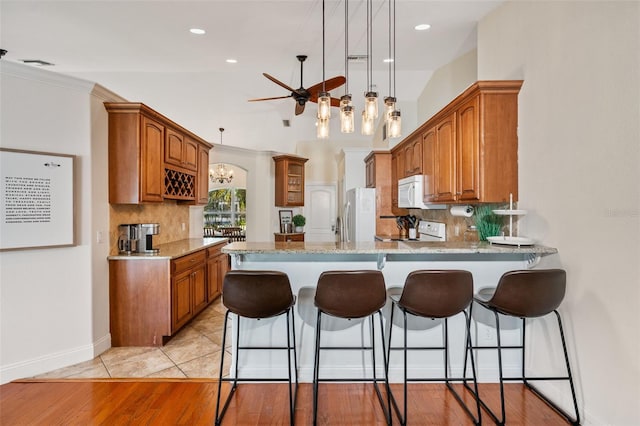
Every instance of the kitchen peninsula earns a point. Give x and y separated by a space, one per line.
304 262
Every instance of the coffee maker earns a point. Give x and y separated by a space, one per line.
146 231
128 238
137 237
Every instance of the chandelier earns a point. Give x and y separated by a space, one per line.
221 173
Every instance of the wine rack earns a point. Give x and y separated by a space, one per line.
179 185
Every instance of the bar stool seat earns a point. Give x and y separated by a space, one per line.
351 295
528 294
258 295
435 294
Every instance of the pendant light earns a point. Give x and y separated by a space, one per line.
221 173
324 98
389 101
347 123
370 113
393 117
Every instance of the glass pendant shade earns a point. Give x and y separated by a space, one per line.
347 124
389 107
322 131
371 105
367 124
345 100
324 105
394 129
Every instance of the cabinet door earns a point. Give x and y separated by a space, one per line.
396 174
199 288
182 310
430 152
289 191
173 147
445 158
190 154
468 151
202 177
416 156
151 161
213 278
370 172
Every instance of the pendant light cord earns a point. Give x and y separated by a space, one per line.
346 46
391 56
394 48
323 83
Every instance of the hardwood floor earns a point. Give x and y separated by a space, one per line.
192 402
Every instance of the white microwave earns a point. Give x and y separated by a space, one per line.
411 193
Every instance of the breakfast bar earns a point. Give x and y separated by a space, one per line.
303 262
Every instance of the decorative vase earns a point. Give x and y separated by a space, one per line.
299 228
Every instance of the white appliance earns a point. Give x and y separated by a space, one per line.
411 192
359 215
432 231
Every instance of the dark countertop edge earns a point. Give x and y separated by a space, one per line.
173 250
381 248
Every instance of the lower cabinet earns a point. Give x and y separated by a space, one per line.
152 299
188 288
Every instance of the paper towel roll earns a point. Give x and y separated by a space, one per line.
466 211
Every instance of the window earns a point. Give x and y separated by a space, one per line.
226 207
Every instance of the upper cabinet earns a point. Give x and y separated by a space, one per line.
289 180
151 158
474 150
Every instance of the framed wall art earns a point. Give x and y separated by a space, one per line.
36 199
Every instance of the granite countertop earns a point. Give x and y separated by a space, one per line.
382 247
173 249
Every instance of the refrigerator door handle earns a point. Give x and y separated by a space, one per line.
347 220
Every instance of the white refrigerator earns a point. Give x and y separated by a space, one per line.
359 215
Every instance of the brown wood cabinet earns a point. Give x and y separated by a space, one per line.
217 267
470 147
188 288
289 190
180 150
202 178
397 173
379 176
151 299
151 158
295 236
413 156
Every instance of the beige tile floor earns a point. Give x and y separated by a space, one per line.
193 353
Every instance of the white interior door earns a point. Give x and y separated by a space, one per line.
320 210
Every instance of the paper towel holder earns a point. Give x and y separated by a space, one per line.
464 210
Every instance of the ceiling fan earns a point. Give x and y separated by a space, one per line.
302 95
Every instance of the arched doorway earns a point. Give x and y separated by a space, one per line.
227 206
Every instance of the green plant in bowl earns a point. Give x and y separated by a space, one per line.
488 223
299 220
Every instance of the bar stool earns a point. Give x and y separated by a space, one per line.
528 294
435 294
258 295
351 295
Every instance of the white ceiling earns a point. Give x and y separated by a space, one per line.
143 51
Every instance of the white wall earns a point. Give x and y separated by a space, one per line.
446 83
53 302
579 156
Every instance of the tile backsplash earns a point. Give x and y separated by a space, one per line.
169 214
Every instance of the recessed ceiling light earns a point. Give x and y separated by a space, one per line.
387 60
197 31
422 27
232 61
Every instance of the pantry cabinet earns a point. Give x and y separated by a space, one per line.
289 174
379 176
151 158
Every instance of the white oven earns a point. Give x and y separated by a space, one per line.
432 231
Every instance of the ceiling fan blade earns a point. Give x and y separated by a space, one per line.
269 99
330 84
335 102
299 108
278 82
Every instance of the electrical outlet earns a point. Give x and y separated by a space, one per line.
99 238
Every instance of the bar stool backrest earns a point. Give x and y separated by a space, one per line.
437 294
350 294
257 294
529 293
